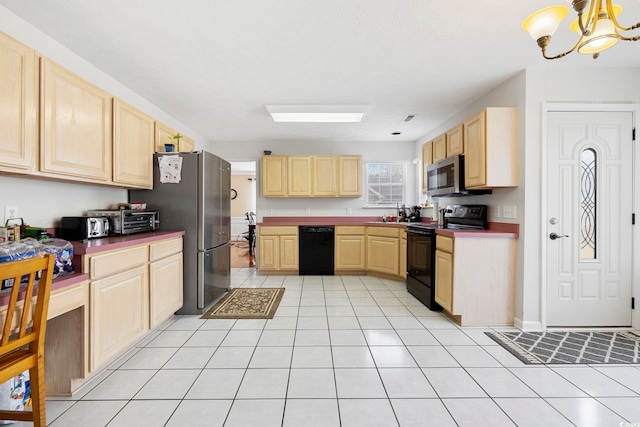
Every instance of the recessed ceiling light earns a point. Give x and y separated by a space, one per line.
317 113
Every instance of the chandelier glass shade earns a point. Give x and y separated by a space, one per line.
598 28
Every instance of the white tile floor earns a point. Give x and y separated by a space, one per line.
341 351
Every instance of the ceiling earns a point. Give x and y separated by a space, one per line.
215 64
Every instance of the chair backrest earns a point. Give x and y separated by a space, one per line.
18 331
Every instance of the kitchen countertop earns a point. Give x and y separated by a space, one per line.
93 246
496 229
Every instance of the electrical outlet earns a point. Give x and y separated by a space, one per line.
496 211
11 212
307 211
270 211
509 212
349 211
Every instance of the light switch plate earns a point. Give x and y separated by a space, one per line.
496 211
509 212
349 211
307 211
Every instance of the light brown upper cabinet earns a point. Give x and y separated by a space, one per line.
349 176
455 144
18 107
133 140
440 148
491 148
75 127
311 176
427 159
299 176
164 136
325 176
274 176
186 144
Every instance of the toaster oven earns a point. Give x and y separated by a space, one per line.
129 221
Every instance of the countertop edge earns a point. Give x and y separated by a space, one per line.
476 233
94 246
68 280
57 284
497 232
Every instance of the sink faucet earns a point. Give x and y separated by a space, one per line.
402 213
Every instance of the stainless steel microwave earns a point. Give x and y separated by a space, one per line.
446 179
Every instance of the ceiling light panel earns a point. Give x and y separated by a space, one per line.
317 113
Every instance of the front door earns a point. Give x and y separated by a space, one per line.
588 228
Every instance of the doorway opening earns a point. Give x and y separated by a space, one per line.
243 214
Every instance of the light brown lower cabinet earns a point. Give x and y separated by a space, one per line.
165 295
350 249
119 307
402 263
278 248
475 279
131 290
383 247
444 280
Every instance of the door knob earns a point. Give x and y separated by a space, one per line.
554 236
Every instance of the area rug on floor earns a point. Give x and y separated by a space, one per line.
247 303
570 347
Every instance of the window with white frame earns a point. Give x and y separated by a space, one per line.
386 183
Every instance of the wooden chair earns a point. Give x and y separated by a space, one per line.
22 344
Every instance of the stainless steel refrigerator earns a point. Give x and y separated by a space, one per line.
199 204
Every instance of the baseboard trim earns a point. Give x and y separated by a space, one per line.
528 326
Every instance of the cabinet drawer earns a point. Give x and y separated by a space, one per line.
164 249
116 261
66 299
444 243
383 231
277 231
350 230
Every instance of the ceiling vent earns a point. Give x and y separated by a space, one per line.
408 118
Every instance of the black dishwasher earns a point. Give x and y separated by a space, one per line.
316 250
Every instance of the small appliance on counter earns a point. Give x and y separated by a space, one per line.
414 216
83 227
129 221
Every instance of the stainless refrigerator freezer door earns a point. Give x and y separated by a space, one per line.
225 181
214 277
215 204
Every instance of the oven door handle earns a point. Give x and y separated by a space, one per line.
420 233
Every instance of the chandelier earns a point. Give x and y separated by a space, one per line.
598 28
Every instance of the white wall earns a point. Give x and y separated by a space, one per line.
42 203
370 151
